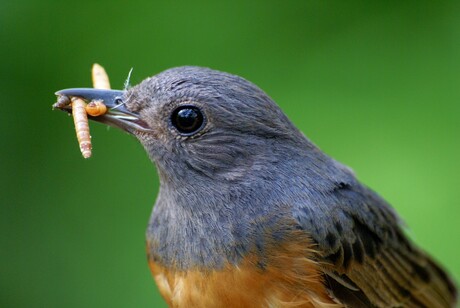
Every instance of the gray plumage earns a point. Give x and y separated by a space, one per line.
250 167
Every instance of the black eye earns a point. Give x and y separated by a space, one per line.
187 119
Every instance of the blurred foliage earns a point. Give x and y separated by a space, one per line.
374 83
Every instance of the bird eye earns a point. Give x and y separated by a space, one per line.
187 119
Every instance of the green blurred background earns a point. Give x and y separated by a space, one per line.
376 84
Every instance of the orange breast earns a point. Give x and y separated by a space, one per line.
289 278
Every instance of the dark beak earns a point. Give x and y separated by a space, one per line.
117 115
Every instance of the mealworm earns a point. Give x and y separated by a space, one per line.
100 78
100 81
62 102
80 120
96 108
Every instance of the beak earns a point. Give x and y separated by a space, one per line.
117 115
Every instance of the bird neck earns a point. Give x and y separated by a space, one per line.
209 223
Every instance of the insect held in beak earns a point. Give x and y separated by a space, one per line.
80 120
96 108
80 109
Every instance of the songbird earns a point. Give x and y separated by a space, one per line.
250 213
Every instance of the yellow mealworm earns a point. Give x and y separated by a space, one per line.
62 102
96 108
80 120
100 77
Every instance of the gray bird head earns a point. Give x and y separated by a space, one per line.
208 124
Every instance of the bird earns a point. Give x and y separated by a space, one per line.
251 213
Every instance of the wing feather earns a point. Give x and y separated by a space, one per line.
368 260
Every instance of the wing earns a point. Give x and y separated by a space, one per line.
368 261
